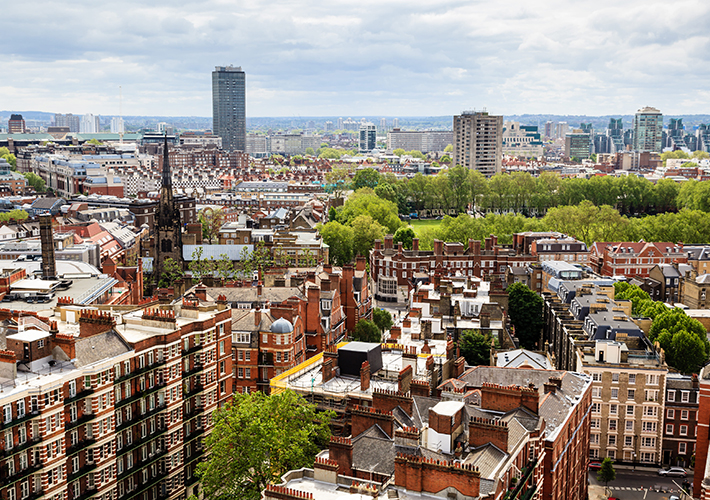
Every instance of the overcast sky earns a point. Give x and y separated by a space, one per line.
358 57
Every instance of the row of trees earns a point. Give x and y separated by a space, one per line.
683 338
457 189
586 222
259 259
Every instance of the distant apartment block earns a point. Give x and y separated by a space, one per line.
367 137
229 106
648 130
424 141
478 142
577 145
16 125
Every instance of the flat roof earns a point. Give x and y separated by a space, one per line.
29 335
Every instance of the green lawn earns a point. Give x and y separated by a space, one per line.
418 224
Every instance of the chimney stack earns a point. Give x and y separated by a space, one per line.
49 263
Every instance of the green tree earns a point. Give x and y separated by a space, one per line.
256 439
261 258
399 152
365 231
683 338
476 347
339 238
94 141
224 267
687 352
366 331
383 319
525 312
9 157
366 202
405 235
211 221
36 182
445 159
367 177
449 148
607 472
337 181
198 266
310 151
170 273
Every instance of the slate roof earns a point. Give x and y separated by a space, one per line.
274 294
374 451
487 458
105 345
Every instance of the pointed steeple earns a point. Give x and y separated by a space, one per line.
167 178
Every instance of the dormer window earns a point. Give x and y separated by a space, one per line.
325 304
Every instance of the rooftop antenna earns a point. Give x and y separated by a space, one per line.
120 114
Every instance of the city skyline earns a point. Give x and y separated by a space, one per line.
330 59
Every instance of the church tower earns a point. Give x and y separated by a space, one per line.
168 235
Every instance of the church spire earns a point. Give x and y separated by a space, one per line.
167 178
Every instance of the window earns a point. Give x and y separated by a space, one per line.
612 424
632 378
684 415
682 448
221 347
612 439
629 410
683 430
652 379
596 408
7 413
611 454
596 392
628 441
596 377
594 439
648 426
615 394
629 425
685 396
650 411
670 414
648 442
594 423
613 409
614 377
671 396
669 428
631 394
22 435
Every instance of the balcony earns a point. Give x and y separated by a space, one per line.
193 413
138 418
17 476
196 389
140 394
159 431
195 369
87 417
88 493
16 421
151 482
82 472
523 490
80 446
192 349
16 449
78 396
140 371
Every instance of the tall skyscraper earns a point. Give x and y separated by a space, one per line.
648 130
478 142
229 107
368 137
117 126
383 124
68 120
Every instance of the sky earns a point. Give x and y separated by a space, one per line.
357 58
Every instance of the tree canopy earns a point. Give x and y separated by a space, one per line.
525 312
683 339
476 347
607 472
382 318
366 331
9 157
256 439
367 177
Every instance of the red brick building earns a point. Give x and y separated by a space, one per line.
632 259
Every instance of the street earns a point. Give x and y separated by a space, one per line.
640 484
